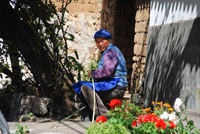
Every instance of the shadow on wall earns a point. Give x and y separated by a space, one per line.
172 63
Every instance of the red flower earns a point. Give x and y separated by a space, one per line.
172 124
115 102
101 118
147 118
161 124
155 119
134 123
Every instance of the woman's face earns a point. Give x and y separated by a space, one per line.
102 43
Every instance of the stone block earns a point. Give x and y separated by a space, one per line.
136 58
74 1
37 105
137 98
145 14
138 70
141 26
142 15
143 60
140 38
89 7
53 1
146 39
93 1
134 67
81 1
58 5
137 49
132 75
144 50
99 7
138 15
86 1
142 68
75 7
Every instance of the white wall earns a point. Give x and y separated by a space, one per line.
168 11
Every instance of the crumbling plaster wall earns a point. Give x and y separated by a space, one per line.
83 20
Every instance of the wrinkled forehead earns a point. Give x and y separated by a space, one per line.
100 38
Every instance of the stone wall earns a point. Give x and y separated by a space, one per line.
83 20
140 42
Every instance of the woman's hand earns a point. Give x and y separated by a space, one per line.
89 74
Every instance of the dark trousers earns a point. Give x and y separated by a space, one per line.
87 96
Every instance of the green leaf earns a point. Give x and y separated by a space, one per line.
76 54
26 127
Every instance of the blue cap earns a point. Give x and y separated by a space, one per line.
103 33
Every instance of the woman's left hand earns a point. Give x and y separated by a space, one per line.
89 74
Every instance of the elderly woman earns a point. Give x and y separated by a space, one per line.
110 76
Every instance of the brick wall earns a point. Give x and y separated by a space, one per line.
140 41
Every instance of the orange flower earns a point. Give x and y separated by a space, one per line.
147 109
167 105
158 103
130 108
153 102
156 108
171 109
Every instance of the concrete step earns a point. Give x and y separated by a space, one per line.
67 127
195 116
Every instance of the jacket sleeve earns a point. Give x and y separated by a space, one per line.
110 60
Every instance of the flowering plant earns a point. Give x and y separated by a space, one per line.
114 103
133 119
101 119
